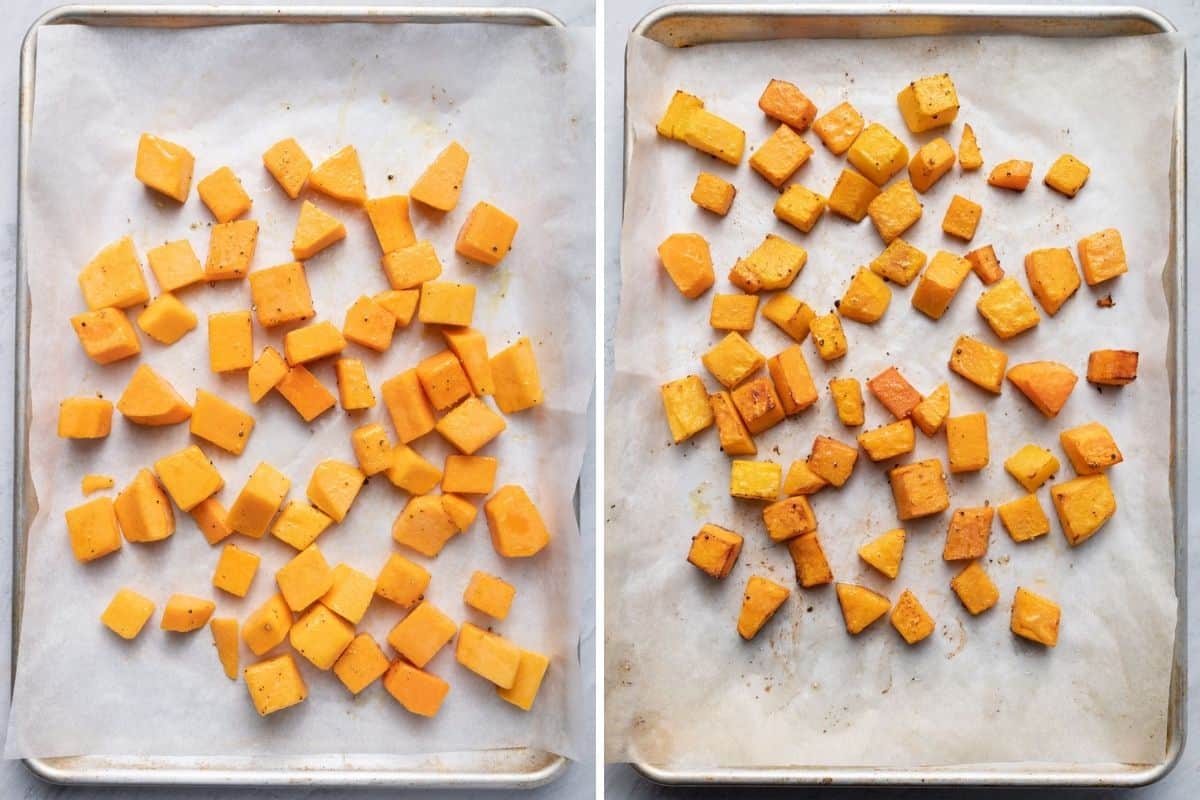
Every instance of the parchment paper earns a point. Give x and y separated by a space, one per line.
682 689
519 99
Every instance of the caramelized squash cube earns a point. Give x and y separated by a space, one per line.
899 262
919 489
895 210
760 600
688 262
928 103
852 195
878 154
969 533
778 158
839 127
940 283
832 460
1035 617
975 589
1067 175
715 550
1007 309
981 364
1102 256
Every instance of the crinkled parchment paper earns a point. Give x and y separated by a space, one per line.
683 690
520 100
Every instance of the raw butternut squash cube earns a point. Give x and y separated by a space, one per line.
444 380
409 410
967 442
305 393
369 324
801 479
127 613
755 480
372 448
516 527
354 387
390 221
758 404
333 487
84 418
809 562
731 430
1023 518
493 596
303 580
785 102
444 303
733 312
975 589
320 636
471 425
848 400
212 519
424 525
166 319
462 512
289 165
778 158
470 346
787 519
889 441
860 606
143 510
419 692
1031 466
933 160
411 472
164 166
1083 505
95 483
341 177
265 373
688 262
401 581
149 399
731 361
188 476
899 262
1090 448
441 183
839 127
93 529
1035 617
895 210
939 283
713 135
930 413
928 103
981 364
774 264
185 613
970 157
832 461
410 266
985 264
530 672
230 341
828 336
361 663
469 474
962 218
851 196
487 235
312 342
299 524
885 552
1103 256
969 533
221 422
420 635
800 207
106 335
315 230
1014 174
919 489
259 501
713 194
760 600
1008 309
1052 277
792 380
488 655
222 192
1067 175
878 154
235 571
894 392
275 684
910 619
1047 384
175 265
866 297
1112 367
791 315
230 249
267 625
280 294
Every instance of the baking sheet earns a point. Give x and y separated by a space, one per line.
805 693
399 93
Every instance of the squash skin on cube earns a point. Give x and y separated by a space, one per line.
424 525
932 161
446 303
800 207
488 655
320 636
167 320
885 552
516 526
333 487
84 418
878 154
789 518
860 606
361 664
713 193
230 341
975 589
930 413
866 297
899 262
354 387
222 192
889 441
489 594
928 103
275 684
401 581
93 529
809 562
1035 617
919 489
832 460
1102 256
1090 448
1047 384
1007 309
686 404
1067 175
410 266
733 312
487 235
143 510
299 525
1052 277
715 550
755 480
1024 518
839 127
280 294
164 166
962 218
688 263
350 594
315 231
440 185
1112 367
828 336
259 501
341 177
235 570
758 404
305 393
980 363
967 442
268 625
419 692
1013 174
185 613
288 165
217 421
778 158
188 476
407 406
420 635
175 265
148 399
471 425
852 195
894 393
127 613
940 283
774 264
760 600
303 580
910 619
848 400
530 672
1083 505
784 101
106 335
969 533
985 264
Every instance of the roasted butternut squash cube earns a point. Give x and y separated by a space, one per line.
970 157
985 264
212 519
774 264
785 102
420 635
792 380
930 413
1067 175
878 154
780 156
962 218
1035 617
235 571
488 655
899 262
188 476
713 193
127 613
885 552
361 663
315 231
471 425
933 160
220 422
265 373
1111 367
175 265
1103 256
164 166
349 594
412 265
409 410
848 400
980 363
791 315
839 127
303 580
312 342
731 430
275 684
1083 505
401 581
333 487
530 672
895 210
149 399
910 619
231 247
222 192
800 207
928 103
489 594
516 527
688 262
852 195
789 518
444 380
760 600
967 442
354 387
919 489
940 283
185 613
411 472
390 221
860 607
341 177
832 460
733 312
440 185
1052 277
715 550
305 393
1008 309
889 441
143 510
280 294
1013 174
259 501
758 404
969 533
469 474
445 303
686 404
866 297
975 589
84 418
299 524
487 235
1032 466
678 110
713 135
230 341
809 562
267 625
800 479
93 530
755 480
106 335
1090 448
828 336
894 393
320 636
1023 518
419 692
288 165
1047 384
166 320
372 448
732 360
94 483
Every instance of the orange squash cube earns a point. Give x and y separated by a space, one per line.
516 527
409 410
305 393
441 183
420 635
288 165
839 127
688 262
417 691
222 192
487 235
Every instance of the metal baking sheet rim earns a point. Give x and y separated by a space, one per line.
522 768
1071 18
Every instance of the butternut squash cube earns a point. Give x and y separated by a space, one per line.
149 399
409 410
919 489
1023 518
731 430
847 400
175 265
488 655
84 418
221 422
235 571
95 483
444 380
732 360
792 380
424 525
288 165
889 441
928 103
185 613
967 442
267 625
275 684
832 460
420 635
975 589
470 347
1083 505
789 518
410 266
369 324
1008 309
910 619
222 192
758 404
530 672
1067 175
791 315
985 264
106 335
866 297
686 403
341 177
166 319
305 393
280 294
851 196
461 511
940 283
372 448
755 480
933 160
312 342
143 510
259 501
801 479
894 392
320 636
354 387
164 166
981 364
469 474
969 533
1031 466
212 519
839 127
860 606
93 529
895 210
733 312
315 230
411 472
713 135
419 692
778 158
444 303
299 524
688 262
401 303
1035 617
303 580
828 336
785 102
1090 448
1014 175
487 235
774 264
230 248
360 664
899 262
516 527
127 613
808 559
265 373
333 487
1103 256
885 552
401 581
713 194
441 183
188 476
760 600
390 221
878 154
230 341
962 218
970 157
489 594
1112 367
930 413
1052 277
800 207
471 425
1047 384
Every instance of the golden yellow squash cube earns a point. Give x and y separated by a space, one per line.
289 165
419 692
919 489
515 524
420 635
860 606
222 192
1090 448
877 154
780 156
149 399
444 380
785 102
962 218
790 314
715 550
885 552
1102 256
980 363
1083 505
354 387
164 166
469 474
733 312
441 183
910 619
411 472
1024 518
230 341
713 193
265 373
350 594
774 264
341 177
235 571
755 480
471 425
185 613
800 207
259 500
758 404
828 336
931 412
84 418
789 518
933 160
1031 466
517 384
304 579
809 562
1013 174
731 430
175 265
167 319
1047 384
106 335
848 400
1067 175
1052 277
970 157
940 283
715 136
410 266
401 581
188 476
530 672
895 210
928 103
800 479
372 448
275 684
1007 308
688 262
280 294
832 460
305 393
852 195
230 249
225 640
899 262
969 533
1035 617
299 524
212 519
678 111
333 486
967 442
127 613
143 510
267 625
489 594
839 127
975 589
362 663
866 297
889 441
985 264
686 404
446 303
220 422
390 221
91 483
488 655
732 360
760 600
487 235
